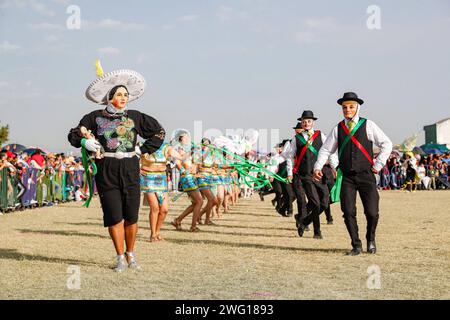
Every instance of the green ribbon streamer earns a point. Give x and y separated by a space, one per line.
88 175
335 192
245 167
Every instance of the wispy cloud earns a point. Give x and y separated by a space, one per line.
5 4
108 51
144 57
179 20
188 18
61 2
46 26
41 8
51 38
224 13
112 24
226 52
305 37
35 5
4 84
168 27
116 24
10 89
6 47
313 29
320 23
51 47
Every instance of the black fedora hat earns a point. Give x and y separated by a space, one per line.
350 96
307 114
297 126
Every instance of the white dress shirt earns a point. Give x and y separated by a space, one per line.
292 150
374 134
276 160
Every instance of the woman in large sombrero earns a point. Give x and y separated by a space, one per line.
116 129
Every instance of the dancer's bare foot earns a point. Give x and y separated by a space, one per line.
154 239
210 223
194 229
160 238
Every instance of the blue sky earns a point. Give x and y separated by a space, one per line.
231 64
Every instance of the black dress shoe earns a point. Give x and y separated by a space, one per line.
318 236
281 211
371 247
296 219
301 229
355 251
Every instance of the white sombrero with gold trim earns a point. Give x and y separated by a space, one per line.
98 90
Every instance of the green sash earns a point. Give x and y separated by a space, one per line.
310 146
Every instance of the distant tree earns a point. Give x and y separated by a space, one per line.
4 132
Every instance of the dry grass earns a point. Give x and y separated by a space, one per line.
253 254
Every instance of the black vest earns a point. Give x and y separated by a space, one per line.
309 159
352 159
282 169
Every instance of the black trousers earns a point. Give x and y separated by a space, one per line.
300 196
287 198
330 180
276 186
365 184
328 209
318 200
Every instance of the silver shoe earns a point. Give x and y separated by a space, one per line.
121 265
133 262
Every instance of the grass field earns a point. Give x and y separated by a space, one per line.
253 253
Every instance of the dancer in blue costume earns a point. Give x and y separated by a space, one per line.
205 161
188 180
153 182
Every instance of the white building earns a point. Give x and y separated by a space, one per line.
438 132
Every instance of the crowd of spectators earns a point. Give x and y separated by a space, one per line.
60 177
412 172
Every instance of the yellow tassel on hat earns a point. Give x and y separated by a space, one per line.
98 68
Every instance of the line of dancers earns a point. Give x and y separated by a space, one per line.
312 169
211 174
206 176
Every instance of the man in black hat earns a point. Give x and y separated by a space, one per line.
304 151
354 138
298 188
288 196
